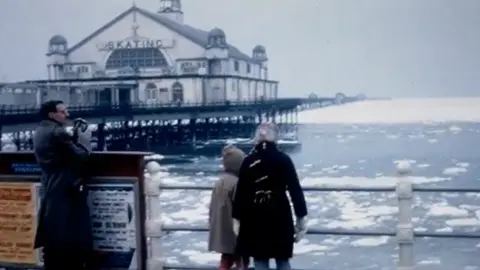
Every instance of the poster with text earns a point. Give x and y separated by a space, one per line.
112 207
18 206
38 198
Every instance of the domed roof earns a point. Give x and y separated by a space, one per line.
217 32
339 97
58 40
259 48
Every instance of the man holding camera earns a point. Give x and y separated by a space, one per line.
64 225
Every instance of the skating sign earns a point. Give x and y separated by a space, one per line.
135 44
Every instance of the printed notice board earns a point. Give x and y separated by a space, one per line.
112 207
18 207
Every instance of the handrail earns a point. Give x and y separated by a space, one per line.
342 188
421 234
204 267
154 105
33 108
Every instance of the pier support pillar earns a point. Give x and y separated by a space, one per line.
260 117
274 116
193 131
16 140
296 122
125 136
101 143
1 135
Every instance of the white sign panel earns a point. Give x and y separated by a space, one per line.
112 207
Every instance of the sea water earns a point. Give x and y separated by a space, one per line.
358 145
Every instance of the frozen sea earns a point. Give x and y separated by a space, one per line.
358 145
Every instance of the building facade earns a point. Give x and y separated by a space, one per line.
154 57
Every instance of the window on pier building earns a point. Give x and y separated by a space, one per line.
150 90
163 95
236 66
137 57
82 69
249 68
215 67
177 92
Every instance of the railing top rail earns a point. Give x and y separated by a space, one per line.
416 188
205 267
33 108
320 231
298 101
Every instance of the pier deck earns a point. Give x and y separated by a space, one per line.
158 127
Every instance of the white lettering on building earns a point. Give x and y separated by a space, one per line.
133 44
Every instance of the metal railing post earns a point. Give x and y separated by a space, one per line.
154 215
405 234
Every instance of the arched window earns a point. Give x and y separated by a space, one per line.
177 92
136 58
151 90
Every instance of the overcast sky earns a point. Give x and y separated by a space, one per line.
379 47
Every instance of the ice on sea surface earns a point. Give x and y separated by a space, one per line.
334 210
398 111
348 210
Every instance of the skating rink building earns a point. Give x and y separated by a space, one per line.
151 57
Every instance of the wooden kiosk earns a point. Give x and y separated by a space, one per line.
117 187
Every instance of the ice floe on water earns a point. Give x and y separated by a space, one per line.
397 111
454 170
381 181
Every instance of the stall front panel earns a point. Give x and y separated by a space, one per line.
116 201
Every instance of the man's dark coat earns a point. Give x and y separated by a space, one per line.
262 206
64 223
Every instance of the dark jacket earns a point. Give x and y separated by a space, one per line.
262 206
63 220
221 238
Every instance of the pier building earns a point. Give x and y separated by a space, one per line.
171 61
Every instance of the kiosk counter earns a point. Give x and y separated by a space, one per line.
117 206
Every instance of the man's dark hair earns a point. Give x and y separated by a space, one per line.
49 107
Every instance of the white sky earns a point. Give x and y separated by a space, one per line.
379 47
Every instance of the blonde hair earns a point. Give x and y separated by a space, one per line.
266 132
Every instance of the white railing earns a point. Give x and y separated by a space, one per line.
404 233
